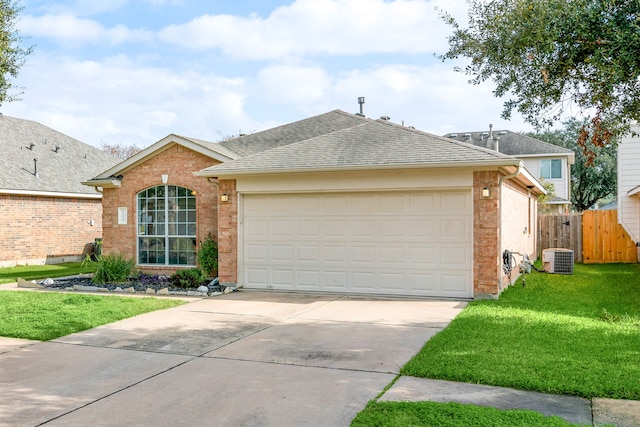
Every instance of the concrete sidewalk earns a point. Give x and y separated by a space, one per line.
595 412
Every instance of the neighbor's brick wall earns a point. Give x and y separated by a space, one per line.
486 244
35 230
228 237
179 163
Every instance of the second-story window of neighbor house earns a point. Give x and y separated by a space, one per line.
167 226
551 169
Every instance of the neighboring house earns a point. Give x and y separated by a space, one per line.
335 203
629 184
545 161
48 216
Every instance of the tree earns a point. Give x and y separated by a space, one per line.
591 179
12 55
554 55
121 151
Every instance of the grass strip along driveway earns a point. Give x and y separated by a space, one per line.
30 272
47 315
564 334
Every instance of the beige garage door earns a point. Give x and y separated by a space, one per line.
391 243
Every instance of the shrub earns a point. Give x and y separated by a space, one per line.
191 278
113 268
208 255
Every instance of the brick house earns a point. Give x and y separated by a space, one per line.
333 203
48 216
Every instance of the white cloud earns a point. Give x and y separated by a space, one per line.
296 85
318 27
118 101
70 29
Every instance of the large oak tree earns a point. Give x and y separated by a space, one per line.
549 57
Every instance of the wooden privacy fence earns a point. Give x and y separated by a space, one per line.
594 236
561 231
604 240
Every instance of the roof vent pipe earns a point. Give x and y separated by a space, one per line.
490 131
35 168
361 102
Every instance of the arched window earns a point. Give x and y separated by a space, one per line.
167 226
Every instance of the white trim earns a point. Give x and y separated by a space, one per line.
51 194
634 191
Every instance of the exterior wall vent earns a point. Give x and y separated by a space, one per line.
557 260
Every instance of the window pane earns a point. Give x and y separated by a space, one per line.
165 211
545 169
556 168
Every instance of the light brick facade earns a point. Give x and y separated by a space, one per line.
179 163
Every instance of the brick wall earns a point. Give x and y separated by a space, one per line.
228 237
39 230
178 163
486 245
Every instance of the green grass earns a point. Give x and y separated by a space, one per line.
426 414
575 334
31 272
47 315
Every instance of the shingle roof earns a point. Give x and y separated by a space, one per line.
59 170
369 144
293 132
510 143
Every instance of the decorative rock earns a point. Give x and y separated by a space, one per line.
118 289
150 291
214 282
89 288
48 282
215 294
163 291
25 284
203 289
183 293
230 289
129 290
103 290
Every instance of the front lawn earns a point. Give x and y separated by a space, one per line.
47 315
431 414
30 272
565 334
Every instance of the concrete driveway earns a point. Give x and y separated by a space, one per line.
243 359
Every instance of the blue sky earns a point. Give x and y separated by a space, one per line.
134 71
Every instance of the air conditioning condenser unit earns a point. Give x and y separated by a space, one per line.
557 260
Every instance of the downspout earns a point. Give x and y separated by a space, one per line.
500 182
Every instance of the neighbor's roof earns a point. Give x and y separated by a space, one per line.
370 144
62 162
511 143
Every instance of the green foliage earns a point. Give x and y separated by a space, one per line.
208 255
564 334
433 414
552 55
113 268
543 200
592 177
189 278
49 315
12 55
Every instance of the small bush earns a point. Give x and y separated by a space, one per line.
191 278
208 255
113 268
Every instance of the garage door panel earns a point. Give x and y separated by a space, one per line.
400 243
